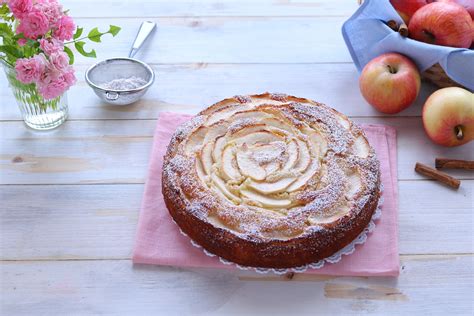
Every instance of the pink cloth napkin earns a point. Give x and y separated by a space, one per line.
160 242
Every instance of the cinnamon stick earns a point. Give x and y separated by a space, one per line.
447 163
403 30
437 175
393 25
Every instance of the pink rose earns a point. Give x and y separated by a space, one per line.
59 60
70 77
51 9
54 88
48 75
21 42
34 24
51 46
29 70
65 28
20 8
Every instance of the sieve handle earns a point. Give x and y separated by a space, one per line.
145 30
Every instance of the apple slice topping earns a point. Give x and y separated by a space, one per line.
269 159
271 167
245 128
206 157
217 149
195 140
272 187
317 142
354 184
326 218
361 147
292 152
305 176
249 167
268 153
200 172
278 124
304 157
225 113
265 201
252 114
262 136
222 188
343 120
228 167
216 130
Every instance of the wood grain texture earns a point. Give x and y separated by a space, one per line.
65 238
188 88
62 222
226 40
428 284
117 151
229 8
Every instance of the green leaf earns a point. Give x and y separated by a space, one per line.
114 30
80 48
5 30
94 35
4 9
10 50
78 33
69 52
32 43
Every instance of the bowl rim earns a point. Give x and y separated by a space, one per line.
146 66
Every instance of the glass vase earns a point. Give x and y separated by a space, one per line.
37 113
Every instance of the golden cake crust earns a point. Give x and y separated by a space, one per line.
232 183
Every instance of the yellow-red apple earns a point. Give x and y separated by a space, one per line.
442 23
390 82
406 8
448 116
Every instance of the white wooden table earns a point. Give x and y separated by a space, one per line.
70 197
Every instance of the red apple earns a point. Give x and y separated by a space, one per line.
467 4
390 82
406 8
441 23
448 116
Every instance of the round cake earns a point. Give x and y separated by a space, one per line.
271 180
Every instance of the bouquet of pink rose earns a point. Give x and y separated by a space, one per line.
35 37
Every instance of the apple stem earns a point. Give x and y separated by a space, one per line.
391 69
458 131
430 36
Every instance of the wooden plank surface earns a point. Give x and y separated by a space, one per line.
226 40
433 285
228 8
117 151
62 222
70 198
188 88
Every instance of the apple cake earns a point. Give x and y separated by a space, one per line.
271 180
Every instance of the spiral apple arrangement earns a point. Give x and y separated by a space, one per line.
391 82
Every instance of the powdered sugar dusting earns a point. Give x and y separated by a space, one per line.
275 211
243 98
